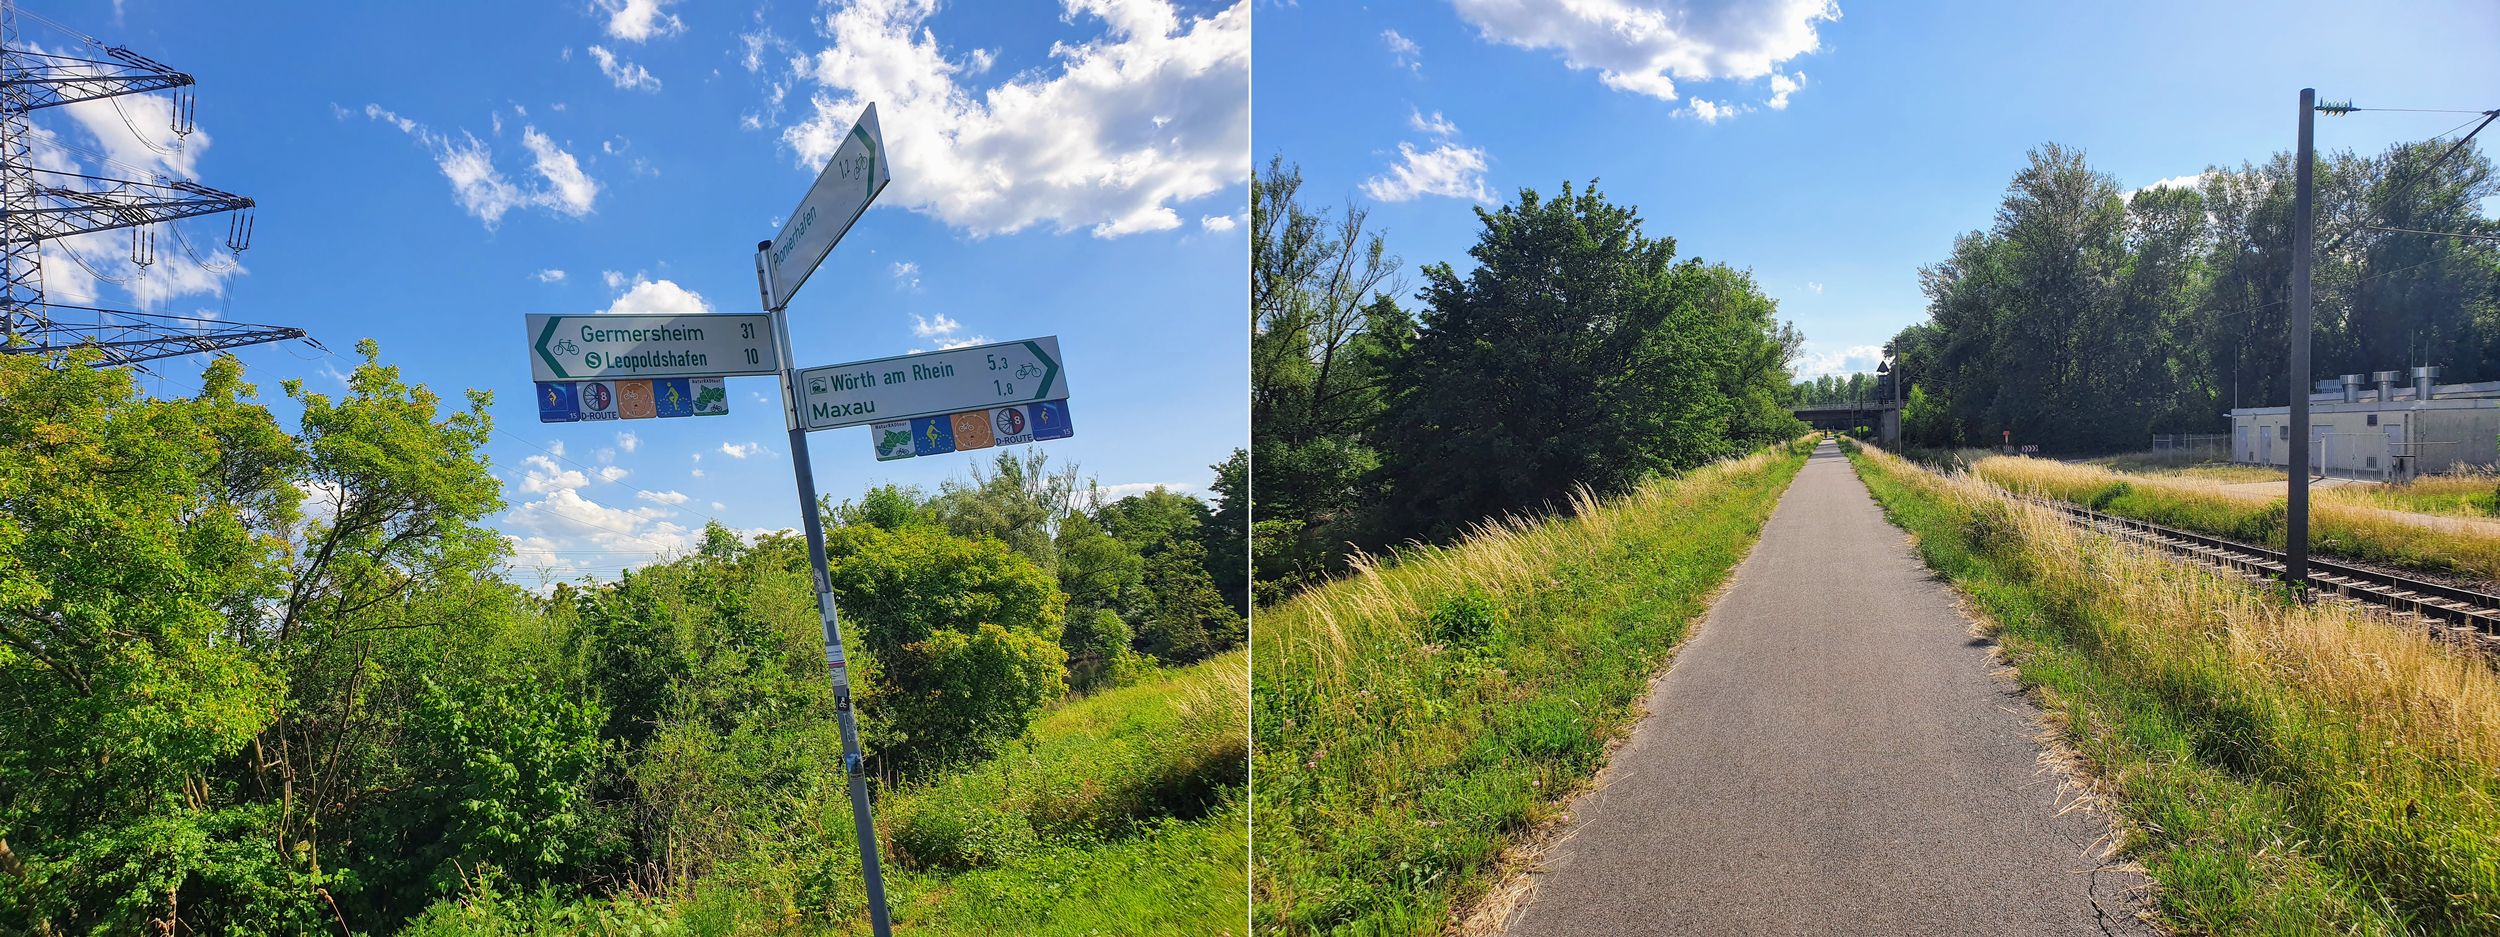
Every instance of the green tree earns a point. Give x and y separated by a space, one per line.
1322 328
1577 352
925 598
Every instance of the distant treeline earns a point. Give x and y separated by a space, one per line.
2088 316
1837 388
272 680
1578 350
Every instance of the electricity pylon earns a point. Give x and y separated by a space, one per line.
38 205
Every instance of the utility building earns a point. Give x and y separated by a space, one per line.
2379 427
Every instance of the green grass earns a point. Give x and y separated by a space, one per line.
1120 813
1417 717
2277 769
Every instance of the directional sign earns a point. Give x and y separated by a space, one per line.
571 348
857 173
934 384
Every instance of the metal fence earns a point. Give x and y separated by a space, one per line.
2202 447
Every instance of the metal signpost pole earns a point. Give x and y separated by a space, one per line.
852 761
2296 533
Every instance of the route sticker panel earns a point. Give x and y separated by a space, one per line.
970 430
666 398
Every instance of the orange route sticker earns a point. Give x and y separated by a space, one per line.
633 400
972 430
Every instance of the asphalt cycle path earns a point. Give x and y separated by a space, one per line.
1833 752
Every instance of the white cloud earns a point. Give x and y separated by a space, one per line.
934 328
1855 359
1783 85
549 275
482 190
136 130
640 20
1646 46
907 274
609 473
646 295
1218 223
1447 170
1710 112
565 535
628 441
2190 181
946 343
662 497
624 74
1814 287
103 260
1108 138
696 473
541 474
1110 493
741 450
1435 125
1409 56
569 190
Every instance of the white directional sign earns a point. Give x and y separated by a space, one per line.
931 384
857 173
572 348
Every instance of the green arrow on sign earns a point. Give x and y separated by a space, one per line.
552 363
1050 368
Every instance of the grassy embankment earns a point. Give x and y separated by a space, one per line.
2279 769
2472 493
2341 523
1121 813
1418 716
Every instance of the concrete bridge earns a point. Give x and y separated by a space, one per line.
1884 417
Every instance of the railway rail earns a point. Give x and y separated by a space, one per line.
2461 615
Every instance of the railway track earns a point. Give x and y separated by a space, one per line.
2463 616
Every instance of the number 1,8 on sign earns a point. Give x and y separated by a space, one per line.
937 383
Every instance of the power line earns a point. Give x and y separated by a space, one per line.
2445 234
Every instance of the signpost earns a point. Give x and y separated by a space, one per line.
937 383
857 173
850 181
606 367
616 347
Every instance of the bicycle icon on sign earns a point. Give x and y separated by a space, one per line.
1028 370
566 347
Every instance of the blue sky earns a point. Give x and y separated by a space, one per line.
1900 124
427 174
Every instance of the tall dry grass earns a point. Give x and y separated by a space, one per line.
2344 521
1331 630
1417 716
2287 768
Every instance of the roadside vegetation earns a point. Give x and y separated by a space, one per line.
2346 522
1419 715
2086 315
1576 349
273 681
2185 466
2277 768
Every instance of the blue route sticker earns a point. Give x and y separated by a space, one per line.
672 396
932 435
1050 419
557 402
